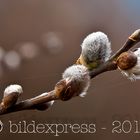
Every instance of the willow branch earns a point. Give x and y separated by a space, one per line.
52 95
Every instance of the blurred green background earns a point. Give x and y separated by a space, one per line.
39 39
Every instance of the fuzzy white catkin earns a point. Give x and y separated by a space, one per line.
96 47
11 94
79 75
13 89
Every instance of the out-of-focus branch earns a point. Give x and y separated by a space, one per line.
61 86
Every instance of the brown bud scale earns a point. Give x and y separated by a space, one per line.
10 100
126 60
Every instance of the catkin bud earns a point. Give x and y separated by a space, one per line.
126 60
96 49
75 82
129 64
11 95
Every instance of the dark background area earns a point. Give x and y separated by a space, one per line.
39 39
